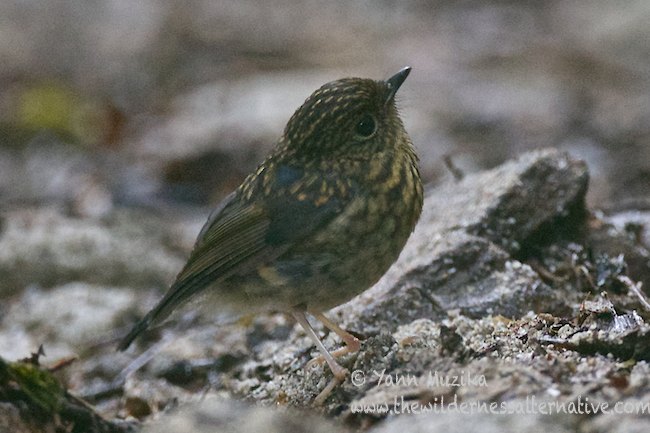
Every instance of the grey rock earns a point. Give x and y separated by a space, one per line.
466 422
462 253
65 318
625 234
45 247
604 331
636 223
221 415
618 423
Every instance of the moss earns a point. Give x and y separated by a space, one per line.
37 390
45 405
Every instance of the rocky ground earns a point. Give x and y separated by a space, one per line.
122 124
513 305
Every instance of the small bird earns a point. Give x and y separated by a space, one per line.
320 220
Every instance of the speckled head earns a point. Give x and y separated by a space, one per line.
347 117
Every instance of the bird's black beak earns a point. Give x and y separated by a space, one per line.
395 82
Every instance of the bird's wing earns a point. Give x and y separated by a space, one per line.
233 237
238 236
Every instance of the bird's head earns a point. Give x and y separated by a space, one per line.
351 118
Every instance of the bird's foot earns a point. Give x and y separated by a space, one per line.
350 347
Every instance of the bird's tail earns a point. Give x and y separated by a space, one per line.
176 295
138 329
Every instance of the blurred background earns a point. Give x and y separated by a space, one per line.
166 105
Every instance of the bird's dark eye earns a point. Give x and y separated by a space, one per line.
366 126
